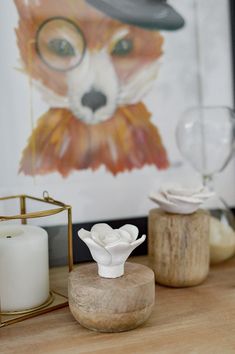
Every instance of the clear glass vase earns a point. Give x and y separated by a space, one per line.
205 138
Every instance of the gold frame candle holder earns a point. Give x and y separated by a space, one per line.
56 299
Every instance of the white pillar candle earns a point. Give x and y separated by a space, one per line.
24 267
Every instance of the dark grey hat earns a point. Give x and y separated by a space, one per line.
148 14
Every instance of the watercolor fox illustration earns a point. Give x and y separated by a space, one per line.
93 62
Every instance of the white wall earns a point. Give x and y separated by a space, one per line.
99 195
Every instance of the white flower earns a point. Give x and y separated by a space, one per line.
110 248
178 200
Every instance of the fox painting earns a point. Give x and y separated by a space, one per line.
93 62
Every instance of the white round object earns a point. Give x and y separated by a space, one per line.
175 199
24 267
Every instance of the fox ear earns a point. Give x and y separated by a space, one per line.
26 3
26 7
23 5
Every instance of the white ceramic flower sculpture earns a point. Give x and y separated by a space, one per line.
111 247
177 200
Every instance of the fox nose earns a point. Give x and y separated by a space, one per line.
94 100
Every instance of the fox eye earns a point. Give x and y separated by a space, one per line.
123 47
60 43
61 47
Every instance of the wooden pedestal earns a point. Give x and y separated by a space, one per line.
111 305
179 247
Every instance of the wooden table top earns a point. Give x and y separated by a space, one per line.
199 320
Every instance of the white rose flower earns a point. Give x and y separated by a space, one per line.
177 200
110 248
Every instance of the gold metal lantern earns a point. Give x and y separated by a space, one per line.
56 299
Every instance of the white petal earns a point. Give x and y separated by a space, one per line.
112 237
99 253
102 229
82 233
119 252
205 195
117 242
183 192
132 230
160 199
96 238
122 251
177 199
138 242
125 236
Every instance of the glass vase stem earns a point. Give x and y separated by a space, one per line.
208 182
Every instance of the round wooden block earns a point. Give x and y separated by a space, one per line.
111 305
179 247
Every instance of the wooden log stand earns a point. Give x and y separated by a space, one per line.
111 305
179 247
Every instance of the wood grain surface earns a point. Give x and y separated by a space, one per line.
179 247
111 305
198 320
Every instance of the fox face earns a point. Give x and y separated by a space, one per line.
93 71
